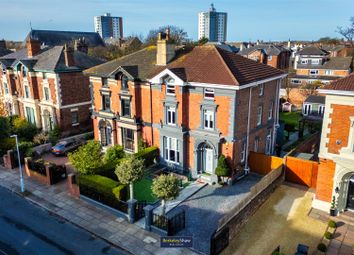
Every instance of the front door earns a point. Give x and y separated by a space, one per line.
209 160
351 194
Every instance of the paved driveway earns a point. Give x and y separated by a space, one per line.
282 220
206 207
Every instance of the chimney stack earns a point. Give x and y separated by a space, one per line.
165 49
2 44
242 47
69 56
33 47
81 45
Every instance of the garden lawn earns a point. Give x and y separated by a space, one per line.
142 190
291 118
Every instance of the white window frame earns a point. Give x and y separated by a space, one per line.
6 88
328 72
29 92
209 93
78 118
256 145
243 152
321 109
259 115
261 89
209 119
268 142
49 96
171 145
304 61
295 81
270 112
270 58
315 61
307 109
171 115
170 89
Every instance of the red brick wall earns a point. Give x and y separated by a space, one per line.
339 127
74 88
325 176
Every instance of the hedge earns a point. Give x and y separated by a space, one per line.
103 186
148 155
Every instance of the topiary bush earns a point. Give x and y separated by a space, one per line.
328 235
88 158
332 224
149 155
54 135
222 169
322 247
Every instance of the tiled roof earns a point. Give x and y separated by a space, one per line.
315 99
312 50
139 64
210 64
334 63
269 49
203 64
344 84
55 38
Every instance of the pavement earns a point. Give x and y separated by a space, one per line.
29 230
343 241
97 221
205 208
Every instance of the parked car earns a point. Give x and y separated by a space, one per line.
62 148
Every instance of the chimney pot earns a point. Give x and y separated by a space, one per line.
33 47
165 49
69 56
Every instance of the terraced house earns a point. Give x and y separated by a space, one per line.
45 83
316 64
335 180
194 104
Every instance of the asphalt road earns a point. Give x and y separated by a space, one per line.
26 229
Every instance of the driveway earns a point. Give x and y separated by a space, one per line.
205 208
282 220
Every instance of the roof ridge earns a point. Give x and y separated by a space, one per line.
227 67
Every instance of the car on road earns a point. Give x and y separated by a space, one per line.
63 147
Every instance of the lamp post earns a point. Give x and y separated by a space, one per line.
22 183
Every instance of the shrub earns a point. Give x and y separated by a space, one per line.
332 224
6 144
103 186
322 247
26 148
222 168
88 158
5 127
54 135
148 155
113 155
41 138
328 235
141 144
23 128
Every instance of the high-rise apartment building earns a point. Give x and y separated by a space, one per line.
212 25
108 26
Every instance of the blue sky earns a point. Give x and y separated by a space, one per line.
247 19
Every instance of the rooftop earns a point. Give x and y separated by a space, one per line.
343 84
313 50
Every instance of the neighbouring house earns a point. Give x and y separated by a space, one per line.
3 49
313 64
336 170
194 104
46 85
338 50
269 54
287 106
313 107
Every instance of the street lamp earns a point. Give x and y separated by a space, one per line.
22 183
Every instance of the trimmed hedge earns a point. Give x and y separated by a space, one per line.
148 155
103 186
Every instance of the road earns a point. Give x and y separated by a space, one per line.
30 230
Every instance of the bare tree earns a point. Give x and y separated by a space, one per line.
347 32
178 35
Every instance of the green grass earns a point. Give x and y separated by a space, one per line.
142 190
292 118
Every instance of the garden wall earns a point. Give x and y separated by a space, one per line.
230 225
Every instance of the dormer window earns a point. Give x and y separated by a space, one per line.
209 93
124 80
24 72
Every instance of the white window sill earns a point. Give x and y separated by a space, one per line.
75 124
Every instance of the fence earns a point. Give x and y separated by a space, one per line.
263 164
139 209
172 225
301 171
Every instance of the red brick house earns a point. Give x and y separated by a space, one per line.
336 170
194 104
46 85
269 54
